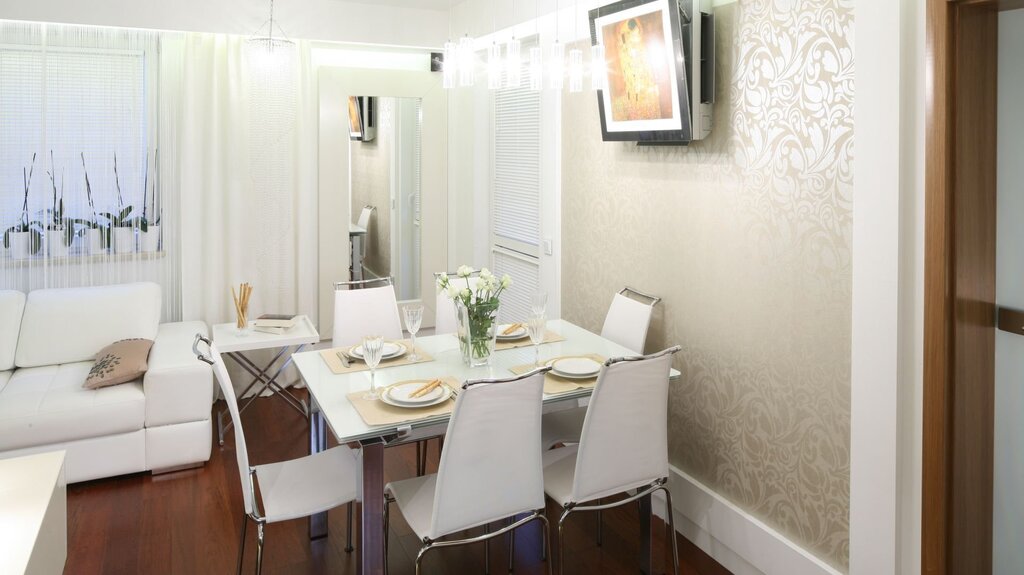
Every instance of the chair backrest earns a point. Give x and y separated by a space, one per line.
445 320
364 222
624 442
491 464
627 321
362 312
224 380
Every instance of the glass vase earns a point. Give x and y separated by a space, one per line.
476 330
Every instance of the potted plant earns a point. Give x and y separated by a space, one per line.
149 239
23 238
477 311
120 226
95 241
60 230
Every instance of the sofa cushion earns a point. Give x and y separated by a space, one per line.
12 305
73 324
119 362
42 405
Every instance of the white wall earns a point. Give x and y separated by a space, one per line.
338 20
1008 514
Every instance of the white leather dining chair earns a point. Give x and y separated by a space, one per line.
287 489
627 319
626 324
359 250
370 311
490 468
360 310
624 444
445 320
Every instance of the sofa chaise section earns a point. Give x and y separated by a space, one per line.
159 422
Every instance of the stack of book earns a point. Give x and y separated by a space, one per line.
275 323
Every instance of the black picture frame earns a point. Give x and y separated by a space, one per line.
676 61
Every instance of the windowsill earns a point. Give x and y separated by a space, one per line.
6 261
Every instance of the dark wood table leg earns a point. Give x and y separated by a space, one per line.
372 542
645 535
317 443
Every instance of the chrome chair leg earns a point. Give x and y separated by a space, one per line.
419 459
561 540
545 533
672 530
600 526
512 546
387 529
241 544
419 558
259 548
348 531
487 551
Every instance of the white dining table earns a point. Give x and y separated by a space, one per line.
331 409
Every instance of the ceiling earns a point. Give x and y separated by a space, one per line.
421 4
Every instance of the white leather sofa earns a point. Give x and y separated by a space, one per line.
47 343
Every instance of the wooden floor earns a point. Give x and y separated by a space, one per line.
188 522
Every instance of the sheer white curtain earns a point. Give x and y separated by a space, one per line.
74 98
244 137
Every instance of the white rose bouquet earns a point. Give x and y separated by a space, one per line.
477 306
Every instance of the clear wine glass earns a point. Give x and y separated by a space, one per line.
535 327
373 347
539 303
413 319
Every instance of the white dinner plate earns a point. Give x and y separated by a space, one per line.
398 394
392 349
519 333
575 367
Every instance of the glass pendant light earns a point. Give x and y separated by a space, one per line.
513 63
556 62
467 72
536 69
557 66
575 57
451 64
494 66
575 70
513 76
598 69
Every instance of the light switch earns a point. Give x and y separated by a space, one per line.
548 247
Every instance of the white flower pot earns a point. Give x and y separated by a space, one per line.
94 240
149 240
19 244
55 246
124 240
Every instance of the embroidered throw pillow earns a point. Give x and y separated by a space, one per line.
119 362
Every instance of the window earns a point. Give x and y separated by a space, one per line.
83 95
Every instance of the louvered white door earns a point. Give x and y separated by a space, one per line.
516 195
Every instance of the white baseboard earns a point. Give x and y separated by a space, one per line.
740 542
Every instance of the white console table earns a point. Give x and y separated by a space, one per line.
33 514
233 344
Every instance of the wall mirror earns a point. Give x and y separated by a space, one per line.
383 143
384 190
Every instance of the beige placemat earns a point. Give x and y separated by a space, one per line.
549 337
330 357
375 412
554 384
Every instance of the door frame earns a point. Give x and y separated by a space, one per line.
959 284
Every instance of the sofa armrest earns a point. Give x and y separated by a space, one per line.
178 387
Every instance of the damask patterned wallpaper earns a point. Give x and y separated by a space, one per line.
747 236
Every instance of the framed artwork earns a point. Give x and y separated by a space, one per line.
645 95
